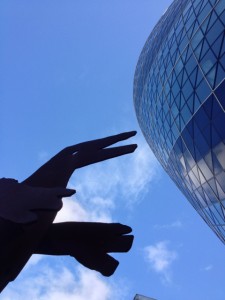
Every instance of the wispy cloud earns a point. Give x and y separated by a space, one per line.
100 186
174 225
98 210
160 258
34 260
208 268
60 284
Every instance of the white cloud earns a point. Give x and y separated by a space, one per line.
208 268
34 260
138 173
97 210
72 211
99 186
176 225
160 258
59 283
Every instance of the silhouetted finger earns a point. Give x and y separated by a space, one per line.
85 232
61 192
82 159
118 244
98 261
108 229
99 143
116 151
107 244
109 153
108 141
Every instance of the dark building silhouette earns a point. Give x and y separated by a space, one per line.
179 97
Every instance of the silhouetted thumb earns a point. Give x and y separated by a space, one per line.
63 192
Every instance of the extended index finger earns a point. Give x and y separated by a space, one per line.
100 143
81 158
110 140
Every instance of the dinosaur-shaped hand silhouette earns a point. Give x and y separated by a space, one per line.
58 170
31 199
89 243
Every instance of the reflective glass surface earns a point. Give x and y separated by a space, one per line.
140 297
179 97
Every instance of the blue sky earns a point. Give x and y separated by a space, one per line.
66 76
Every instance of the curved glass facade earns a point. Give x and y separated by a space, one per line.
179 97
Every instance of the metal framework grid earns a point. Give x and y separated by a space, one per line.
179 97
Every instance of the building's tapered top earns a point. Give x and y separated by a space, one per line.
140 297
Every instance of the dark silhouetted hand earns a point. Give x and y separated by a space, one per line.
88 242
39 199
18 202
58 170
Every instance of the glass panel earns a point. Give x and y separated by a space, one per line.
220 6
214 32
203 91
208 61
197 39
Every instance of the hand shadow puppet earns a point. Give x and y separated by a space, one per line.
28 209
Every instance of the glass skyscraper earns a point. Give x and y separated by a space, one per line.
140 297
179 97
